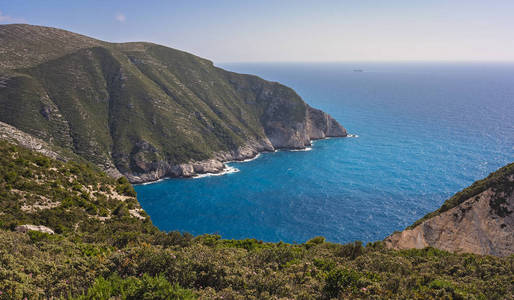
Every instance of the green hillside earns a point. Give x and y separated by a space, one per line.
105 247
142 108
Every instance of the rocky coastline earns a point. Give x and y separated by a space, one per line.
317 125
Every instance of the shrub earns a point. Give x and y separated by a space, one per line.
10 177
125 188
121 240
42 161
145 287
37 236
339 280
315 241
172 238
351 250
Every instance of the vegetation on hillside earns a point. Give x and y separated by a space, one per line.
66 197
102 251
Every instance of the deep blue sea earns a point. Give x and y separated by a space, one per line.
425 131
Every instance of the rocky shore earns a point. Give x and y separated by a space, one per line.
317 125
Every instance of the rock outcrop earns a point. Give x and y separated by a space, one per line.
478 220
28 227
13 135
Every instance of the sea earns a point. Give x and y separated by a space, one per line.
420 133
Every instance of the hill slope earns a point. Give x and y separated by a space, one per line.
105 247
64 197
479 219
143 110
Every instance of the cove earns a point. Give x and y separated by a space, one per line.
425 131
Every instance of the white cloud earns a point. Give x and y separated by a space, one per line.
120 17
8 19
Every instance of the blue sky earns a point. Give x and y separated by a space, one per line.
285 30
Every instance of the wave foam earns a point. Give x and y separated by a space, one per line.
227 170
152 182
250 159
352 135
244 160
304 149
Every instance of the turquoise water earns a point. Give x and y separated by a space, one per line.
425 131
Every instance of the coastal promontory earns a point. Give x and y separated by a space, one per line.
143 110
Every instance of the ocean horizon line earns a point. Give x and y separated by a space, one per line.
368 61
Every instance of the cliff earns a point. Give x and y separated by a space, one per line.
477 220
144 110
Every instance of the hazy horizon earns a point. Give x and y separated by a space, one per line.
292 31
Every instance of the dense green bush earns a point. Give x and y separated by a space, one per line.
342 280
136 288
315 241
125 188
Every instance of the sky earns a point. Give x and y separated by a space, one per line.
290 31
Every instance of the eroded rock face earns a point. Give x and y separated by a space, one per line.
291 123
482 224
164 169
321 125
28 141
